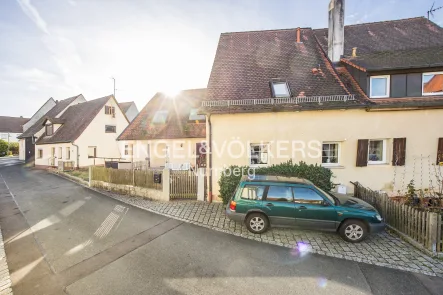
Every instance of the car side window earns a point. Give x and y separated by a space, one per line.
253 192
279 194
307 196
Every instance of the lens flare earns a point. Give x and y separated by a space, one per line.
322 282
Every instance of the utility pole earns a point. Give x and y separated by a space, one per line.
114 85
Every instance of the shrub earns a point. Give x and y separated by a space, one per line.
3 148
13 148
319 175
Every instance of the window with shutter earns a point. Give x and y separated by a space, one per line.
440 151
362 152
399 152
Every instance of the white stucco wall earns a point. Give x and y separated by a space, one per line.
181 151
22 149
94 135
48 157
419 127
132 112
49 104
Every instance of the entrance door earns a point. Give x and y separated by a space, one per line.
279 205
312 210
29 150
52 160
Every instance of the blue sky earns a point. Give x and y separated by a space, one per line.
60 48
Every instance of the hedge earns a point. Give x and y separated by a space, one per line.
319 175
3 148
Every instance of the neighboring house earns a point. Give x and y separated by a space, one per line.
168 132
84 134
48 105
364 103
130 110
28 137
11 127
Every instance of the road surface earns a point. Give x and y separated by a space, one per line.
9 161
62 238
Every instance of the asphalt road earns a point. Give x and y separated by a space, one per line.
9 161
62 238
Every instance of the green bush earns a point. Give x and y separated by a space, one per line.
3 148
319 175
13 148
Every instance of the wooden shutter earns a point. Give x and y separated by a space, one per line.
362 152
440 150
399 152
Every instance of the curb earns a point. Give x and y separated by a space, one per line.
5 277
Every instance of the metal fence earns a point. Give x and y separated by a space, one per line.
183 185
424 228
141 178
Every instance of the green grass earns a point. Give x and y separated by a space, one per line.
81 173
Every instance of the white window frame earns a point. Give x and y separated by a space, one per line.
196 117
388 86
40 154
250 156
68 153
423 84
280 82
128 149
95 152
338 154
384 160
160 113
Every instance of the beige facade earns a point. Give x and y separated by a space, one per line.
94 136
300 136
177 153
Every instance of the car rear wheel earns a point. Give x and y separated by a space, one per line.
353 231
257 223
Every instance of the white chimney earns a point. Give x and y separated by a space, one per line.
336 30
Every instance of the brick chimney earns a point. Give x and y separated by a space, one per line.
336 30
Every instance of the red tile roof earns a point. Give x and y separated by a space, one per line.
177 124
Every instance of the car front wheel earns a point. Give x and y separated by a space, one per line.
353 231
257 223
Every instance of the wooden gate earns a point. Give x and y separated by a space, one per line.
183 185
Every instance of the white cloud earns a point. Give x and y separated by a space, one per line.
33 14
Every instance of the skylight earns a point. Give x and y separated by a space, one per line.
193 116
160 117
280 89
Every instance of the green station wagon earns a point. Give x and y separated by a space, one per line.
294 202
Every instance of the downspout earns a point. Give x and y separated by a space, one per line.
78 156
210 159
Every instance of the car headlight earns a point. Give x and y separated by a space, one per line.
378 217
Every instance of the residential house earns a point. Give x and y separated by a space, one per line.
29 136
11 127
130 110
85 134
364 100
168 132
49 104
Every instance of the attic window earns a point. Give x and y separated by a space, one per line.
280 89
160 117
433 83
194 116
49 129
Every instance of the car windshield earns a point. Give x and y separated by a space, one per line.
330 196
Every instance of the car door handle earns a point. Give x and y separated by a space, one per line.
269 204
302 207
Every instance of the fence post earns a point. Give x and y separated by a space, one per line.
90 176
200 184
433 229
166 179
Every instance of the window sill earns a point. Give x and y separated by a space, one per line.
338 166
378 164
258 165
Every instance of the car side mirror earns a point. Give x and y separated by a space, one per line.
326 204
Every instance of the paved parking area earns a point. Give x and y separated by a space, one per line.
383 249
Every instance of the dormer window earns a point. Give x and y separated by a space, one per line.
194 116
379 86
49 129
280 89
160 117
432 83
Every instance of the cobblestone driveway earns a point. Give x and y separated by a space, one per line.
382 249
